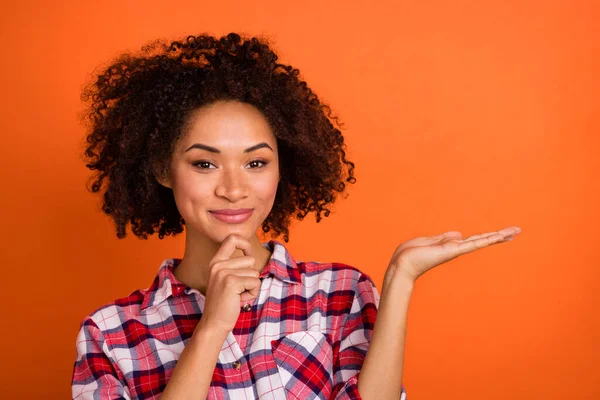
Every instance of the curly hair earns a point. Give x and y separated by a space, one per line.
140 106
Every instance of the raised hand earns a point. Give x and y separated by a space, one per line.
230 281
413 258
381 373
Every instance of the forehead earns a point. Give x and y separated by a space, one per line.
228 124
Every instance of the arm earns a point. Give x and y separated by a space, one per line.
359 335
94 375
194 370
381 374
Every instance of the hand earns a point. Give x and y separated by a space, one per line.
415 257
230 281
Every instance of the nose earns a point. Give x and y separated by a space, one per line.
232 185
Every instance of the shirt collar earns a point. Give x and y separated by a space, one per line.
281 265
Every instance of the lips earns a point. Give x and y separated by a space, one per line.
232 216
231 211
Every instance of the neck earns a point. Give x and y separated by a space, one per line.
194 268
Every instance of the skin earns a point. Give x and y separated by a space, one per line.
230 179
381 373
223 261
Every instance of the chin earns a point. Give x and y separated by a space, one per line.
219 234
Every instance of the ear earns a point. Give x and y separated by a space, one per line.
162 177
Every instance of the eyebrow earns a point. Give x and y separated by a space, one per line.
215 150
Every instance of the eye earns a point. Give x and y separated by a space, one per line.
254 162
202 164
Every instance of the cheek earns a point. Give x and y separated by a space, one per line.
266 188
190 192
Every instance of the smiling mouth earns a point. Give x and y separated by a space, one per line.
232 211
232 216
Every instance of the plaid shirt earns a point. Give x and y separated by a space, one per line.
304 337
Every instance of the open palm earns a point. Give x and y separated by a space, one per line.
416 256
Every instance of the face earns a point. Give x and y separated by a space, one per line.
226 162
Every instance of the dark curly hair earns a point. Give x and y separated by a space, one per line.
140 105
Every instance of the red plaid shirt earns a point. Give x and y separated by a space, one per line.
305 336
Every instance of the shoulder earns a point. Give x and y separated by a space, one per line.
286 266
119 313
347 289
345 277
114 314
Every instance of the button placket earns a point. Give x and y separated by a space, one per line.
231 352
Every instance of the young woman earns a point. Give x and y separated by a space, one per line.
213 134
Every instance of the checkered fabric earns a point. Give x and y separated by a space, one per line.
304 337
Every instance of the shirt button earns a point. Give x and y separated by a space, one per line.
237 365
247 307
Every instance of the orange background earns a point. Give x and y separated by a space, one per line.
460 115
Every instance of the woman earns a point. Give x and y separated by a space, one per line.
215 135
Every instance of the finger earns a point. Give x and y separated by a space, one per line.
248 287
462 247
478 236
251 272
234 263
506 232
230 245
510 230
249 295
449 233
245 296
432 240
437 238
221 269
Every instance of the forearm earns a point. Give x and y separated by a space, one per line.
194 370
380 377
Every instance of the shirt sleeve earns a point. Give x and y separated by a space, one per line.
356 335
94 376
